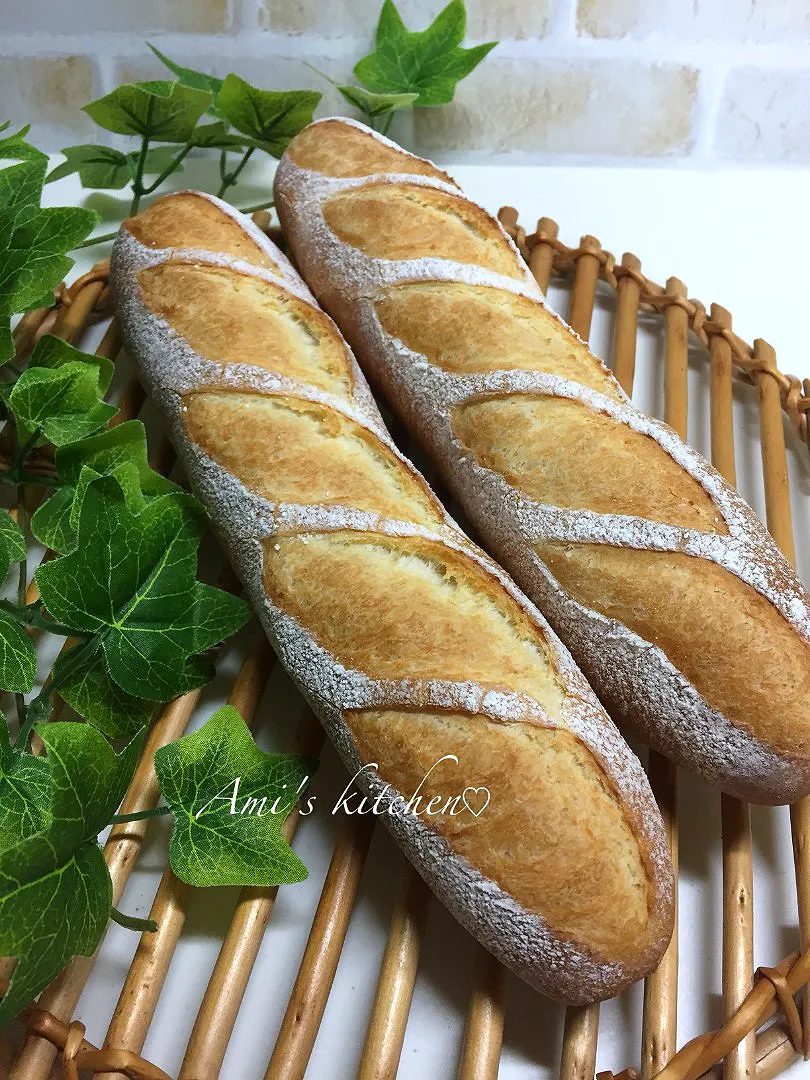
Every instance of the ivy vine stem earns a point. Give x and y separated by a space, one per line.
138 190
132 923
22 588
96 240
257 206
229 179
173 165
75 659
140 815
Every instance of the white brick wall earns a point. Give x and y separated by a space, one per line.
690 81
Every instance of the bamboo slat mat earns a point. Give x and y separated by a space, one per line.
765 1017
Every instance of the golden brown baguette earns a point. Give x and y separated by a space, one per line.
409 643
674 600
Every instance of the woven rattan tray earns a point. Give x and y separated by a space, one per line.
765 1017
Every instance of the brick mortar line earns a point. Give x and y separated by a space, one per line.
255 43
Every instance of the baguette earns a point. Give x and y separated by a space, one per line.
673 599
407 641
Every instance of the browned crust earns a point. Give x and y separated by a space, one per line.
189 220
360 154
572 455
234 318
423 223
705 620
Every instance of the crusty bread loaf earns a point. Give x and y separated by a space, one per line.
674 600
408 642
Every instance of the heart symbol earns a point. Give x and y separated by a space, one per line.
476 791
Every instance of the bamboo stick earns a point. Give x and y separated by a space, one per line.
581 1030
738 928
676 333
721 401
72 318
25 332
226 988
142 987
305 1009
778 517
659 1025
392 1001
586 279
578 1061
628 293
760 1005
483 1033
774 1051
738 871
541 256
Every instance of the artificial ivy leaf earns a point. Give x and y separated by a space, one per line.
15 146
428 63
50 911
55 889
53 352
372 104
12 543
33 241
50 522
54 522
197 80
33 260
94 696
64 403
216 136
270 118
108 168
97 166
25 792
229 800
61 393
161 110
131 580
18 657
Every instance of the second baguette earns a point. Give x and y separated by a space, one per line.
674 600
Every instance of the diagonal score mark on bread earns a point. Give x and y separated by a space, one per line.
406 638
569 484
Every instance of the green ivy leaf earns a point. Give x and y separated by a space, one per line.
197 80
61 394
54 522
33 241
95 697
371 104
25 792
160 110
205 775
55 889
429 63
12 543
18 657
216 136
53 352
108 168
131 580
15 146
270 118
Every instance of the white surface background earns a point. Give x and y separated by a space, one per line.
740 238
